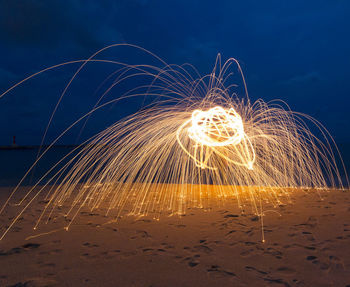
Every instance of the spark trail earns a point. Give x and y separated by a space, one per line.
197 141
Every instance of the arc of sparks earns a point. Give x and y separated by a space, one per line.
197 141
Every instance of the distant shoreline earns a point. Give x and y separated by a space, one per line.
19 147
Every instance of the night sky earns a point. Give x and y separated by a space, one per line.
297 51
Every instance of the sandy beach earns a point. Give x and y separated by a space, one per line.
307 244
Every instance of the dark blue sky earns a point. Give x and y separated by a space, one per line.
297 51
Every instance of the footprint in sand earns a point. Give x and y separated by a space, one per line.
39 282
230 233
216 271
274 252
251 268
23 248
308 247
316 261
109 254
278 281
140 234
167 245
90 245
247 253
311 258
94 225
231 216
202 248
193 263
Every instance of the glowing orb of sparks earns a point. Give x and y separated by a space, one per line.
218 132
216 127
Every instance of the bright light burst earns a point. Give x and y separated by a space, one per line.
218 132
197 141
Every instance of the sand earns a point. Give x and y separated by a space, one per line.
307 244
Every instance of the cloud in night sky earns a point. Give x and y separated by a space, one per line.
296 51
